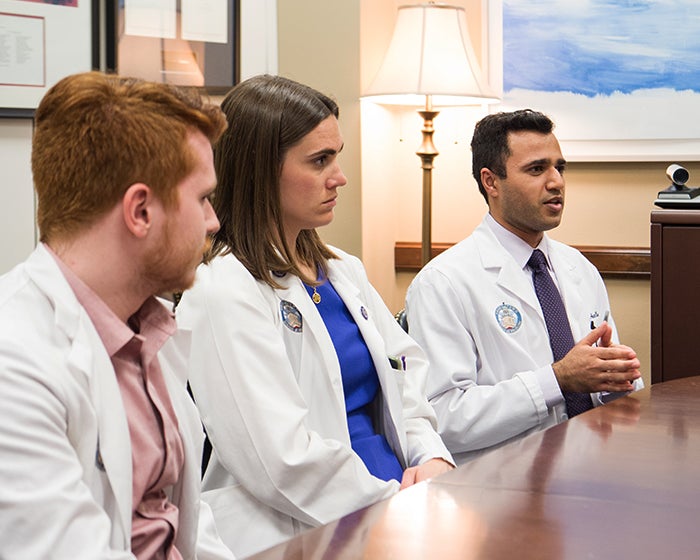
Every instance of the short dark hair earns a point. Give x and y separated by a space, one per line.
267 115
490 147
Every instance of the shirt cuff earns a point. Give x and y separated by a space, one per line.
549 385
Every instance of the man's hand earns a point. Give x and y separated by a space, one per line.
595 364
429 469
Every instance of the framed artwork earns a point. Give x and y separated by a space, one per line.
42 41
182 42
621 80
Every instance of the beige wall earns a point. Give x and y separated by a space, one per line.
608 204
319 45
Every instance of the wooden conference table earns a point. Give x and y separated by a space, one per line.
620 481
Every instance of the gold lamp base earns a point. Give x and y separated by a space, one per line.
427 153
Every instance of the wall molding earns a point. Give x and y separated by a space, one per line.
611 262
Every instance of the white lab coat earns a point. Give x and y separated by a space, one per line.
272 401
65 449
483 383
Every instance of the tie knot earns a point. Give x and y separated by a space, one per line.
537 261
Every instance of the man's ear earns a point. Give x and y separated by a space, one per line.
137 208
490 182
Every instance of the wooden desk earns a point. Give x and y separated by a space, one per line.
621 481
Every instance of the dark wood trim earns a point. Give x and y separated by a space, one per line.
612 262
407 254
676 217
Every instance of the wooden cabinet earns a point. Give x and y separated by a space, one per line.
675 294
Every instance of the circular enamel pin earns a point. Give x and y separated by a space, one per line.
364 312
508 318
291 317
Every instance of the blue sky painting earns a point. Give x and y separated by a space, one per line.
621 79
599 47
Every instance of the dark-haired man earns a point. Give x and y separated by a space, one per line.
502 362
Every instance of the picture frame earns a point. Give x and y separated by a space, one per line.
648 120
45 40
193 43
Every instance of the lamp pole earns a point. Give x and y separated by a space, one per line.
427 153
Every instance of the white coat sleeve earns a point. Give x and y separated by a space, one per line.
209 544
46 508
471 414
255 414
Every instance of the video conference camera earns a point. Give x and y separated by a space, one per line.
677 195
677 175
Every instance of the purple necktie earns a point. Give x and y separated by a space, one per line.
560 338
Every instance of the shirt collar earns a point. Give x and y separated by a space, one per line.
152 320
516 247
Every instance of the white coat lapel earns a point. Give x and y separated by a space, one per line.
569 280
390 389
315 340
507 274
89 362
350 294
114 443
174 364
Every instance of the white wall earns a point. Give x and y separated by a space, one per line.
17 229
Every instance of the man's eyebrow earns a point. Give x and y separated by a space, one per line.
544 161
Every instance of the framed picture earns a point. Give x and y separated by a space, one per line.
42 41
182 42
621 80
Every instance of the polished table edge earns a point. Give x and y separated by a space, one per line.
633 460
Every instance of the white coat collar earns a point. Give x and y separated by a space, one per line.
510 275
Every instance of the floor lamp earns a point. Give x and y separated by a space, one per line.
430 62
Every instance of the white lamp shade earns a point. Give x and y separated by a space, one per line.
430 54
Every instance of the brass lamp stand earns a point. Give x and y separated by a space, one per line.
427 153
430 56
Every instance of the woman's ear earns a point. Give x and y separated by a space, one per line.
137 209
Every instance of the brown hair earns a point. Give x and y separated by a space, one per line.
267 115
97 134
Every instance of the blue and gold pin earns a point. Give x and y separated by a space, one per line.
291 316
508 318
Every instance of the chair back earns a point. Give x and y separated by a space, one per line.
402 320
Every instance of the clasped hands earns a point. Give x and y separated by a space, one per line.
595 364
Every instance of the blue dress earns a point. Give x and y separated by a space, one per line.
360 384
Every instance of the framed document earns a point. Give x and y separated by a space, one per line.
182 42
42 41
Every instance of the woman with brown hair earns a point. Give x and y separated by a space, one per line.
311 393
